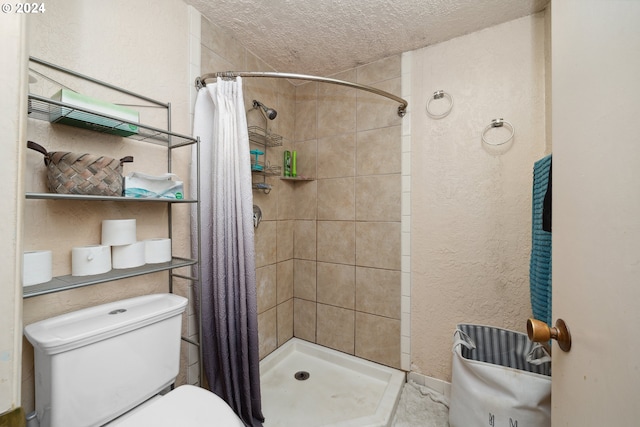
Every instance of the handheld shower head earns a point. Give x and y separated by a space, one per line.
269 113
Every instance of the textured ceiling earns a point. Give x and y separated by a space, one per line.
322 37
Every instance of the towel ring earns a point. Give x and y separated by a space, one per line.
498 123
439 94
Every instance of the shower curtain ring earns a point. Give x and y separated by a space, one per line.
439 94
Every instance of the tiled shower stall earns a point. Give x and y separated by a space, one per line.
328 251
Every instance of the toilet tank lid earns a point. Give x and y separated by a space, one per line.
82 327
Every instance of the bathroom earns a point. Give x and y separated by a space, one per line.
456 213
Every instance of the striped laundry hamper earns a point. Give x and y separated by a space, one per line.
499 379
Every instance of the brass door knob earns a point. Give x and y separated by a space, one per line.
541 332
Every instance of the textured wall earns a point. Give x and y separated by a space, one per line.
141 46
471 205
297 36
13 124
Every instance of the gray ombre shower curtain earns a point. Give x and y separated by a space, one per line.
229 306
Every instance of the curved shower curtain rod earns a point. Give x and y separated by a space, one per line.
402 108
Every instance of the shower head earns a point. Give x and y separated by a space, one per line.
269 113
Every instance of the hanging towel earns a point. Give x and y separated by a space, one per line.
540 265
546 204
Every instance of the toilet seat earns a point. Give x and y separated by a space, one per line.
187 406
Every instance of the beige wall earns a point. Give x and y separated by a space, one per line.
471 205
347 228
141 46
13 86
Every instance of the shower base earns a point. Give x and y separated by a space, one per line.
340 390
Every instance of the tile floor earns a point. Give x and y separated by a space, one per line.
421 407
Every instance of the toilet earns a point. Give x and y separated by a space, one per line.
108 366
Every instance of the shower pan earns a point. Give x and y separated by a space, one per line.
305 384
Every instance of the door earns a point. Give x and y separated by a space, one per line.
596 210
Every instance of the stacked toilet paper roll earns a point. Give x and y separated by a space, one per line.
120 234
128 256
36 267
117 232
119 249
157 250
88 260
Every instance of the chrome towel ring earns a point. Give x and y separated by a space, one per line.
497 123
439 94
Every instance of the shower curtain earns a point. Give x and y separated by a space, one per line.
229 303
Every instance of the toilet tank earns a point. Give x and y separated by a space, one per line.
94 364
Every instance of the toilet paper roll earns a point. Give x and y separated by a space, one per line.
88 260
36 267
157 250
116 232
128 256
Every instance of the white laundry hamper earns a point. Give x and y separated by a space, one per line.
499 379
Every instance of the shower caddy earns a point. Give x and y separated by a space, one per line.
40 108
264 139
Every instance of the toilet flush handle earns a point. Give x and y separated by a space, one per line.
541 332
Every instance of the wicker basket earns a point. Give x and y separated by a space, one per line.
82 173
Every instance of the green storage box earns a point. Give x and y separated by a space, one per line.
95 122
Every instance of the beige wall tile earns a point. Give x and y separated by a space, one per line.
336 328
378 198
306 198
285 321
284 281
307 155
253 62
268 203
265 243
304 279
267 332
284 240
378 339
304 319
306 112
263 90
336 199
336 284
336 241
378 291
266 287
286 201
336 108
286 107
315 220
379 151
304 240
336 156
375 111
219 41
212 61
378 245
383 69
